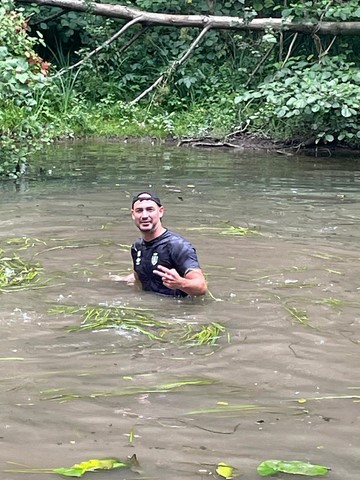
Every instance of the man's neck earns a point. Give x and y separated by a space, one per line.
148 236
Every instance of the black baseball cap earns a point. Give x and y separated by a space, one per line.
146 196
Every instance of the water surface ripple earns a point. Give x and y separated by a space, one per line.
282 382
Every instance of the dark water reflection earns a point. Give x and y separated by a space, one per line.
74 210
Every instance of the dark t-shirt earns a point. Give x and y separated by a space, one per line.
170 250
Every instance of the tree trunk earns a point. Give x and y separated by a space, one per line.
127 13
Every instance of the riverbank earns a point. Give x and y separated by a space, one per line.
239 143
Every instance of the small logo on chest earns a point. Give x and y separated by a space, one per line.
154 259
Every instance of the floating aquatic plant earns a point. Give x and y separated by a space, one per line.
235 230
66 244
229 409
225 471
56 394
356 398
228 230
298 315
16 272
140 320
23 243
202 335
127 318
79 469
295 467
332 302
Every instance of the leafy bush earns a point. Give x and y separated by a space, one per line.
306 99
23 76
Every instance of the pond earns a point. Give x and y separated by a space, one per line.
281 381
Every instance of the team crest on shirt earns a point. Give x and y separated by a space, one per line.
154 259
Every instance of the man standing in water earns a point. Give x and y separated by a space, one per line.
164 262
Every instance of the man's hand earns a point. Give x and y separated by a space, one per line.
129 279
170 277
193 283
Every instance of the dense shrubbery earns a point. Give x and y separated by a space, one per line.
303 99
284 86
23 78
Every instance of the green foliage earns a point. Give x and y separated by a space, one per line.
15 272
139 320
312 11
305 99
79 469
92 465
22 80
301 99
294 467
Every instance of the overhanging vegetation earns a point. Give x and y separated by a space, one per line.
207 70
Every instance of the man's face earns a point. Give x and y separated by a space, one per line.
147 215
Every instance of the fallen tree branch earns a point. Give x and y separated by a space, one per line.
217 144
100 47
173 66
290 49
50 17
133 39
256 69
329 47
217 21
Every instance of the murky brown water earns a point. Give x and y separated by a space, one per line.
76 217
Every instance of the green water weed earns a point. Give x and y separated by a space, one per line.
332 302
127 318
15 271
204 335
241 231
299 315
141 320
62 395
79 469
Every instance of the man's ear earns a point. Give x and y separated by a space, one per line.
161 212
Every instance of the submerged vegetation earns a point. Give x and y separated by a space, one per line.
69 73
235 230
228 230
59 394
16 273
141 320
298 315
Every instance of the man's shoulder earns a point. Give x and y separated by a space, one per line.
137 244
174 236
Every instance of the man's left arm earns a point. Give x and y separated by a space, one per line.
193 283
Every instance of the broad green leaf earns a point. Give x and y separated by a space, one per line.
224 470
79 469
345 112
295 467
69 472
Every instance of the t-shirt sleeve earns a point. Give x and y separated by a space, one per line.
184 257
133 255
134 251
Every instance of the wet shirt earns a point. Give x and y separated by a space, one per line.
170 250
